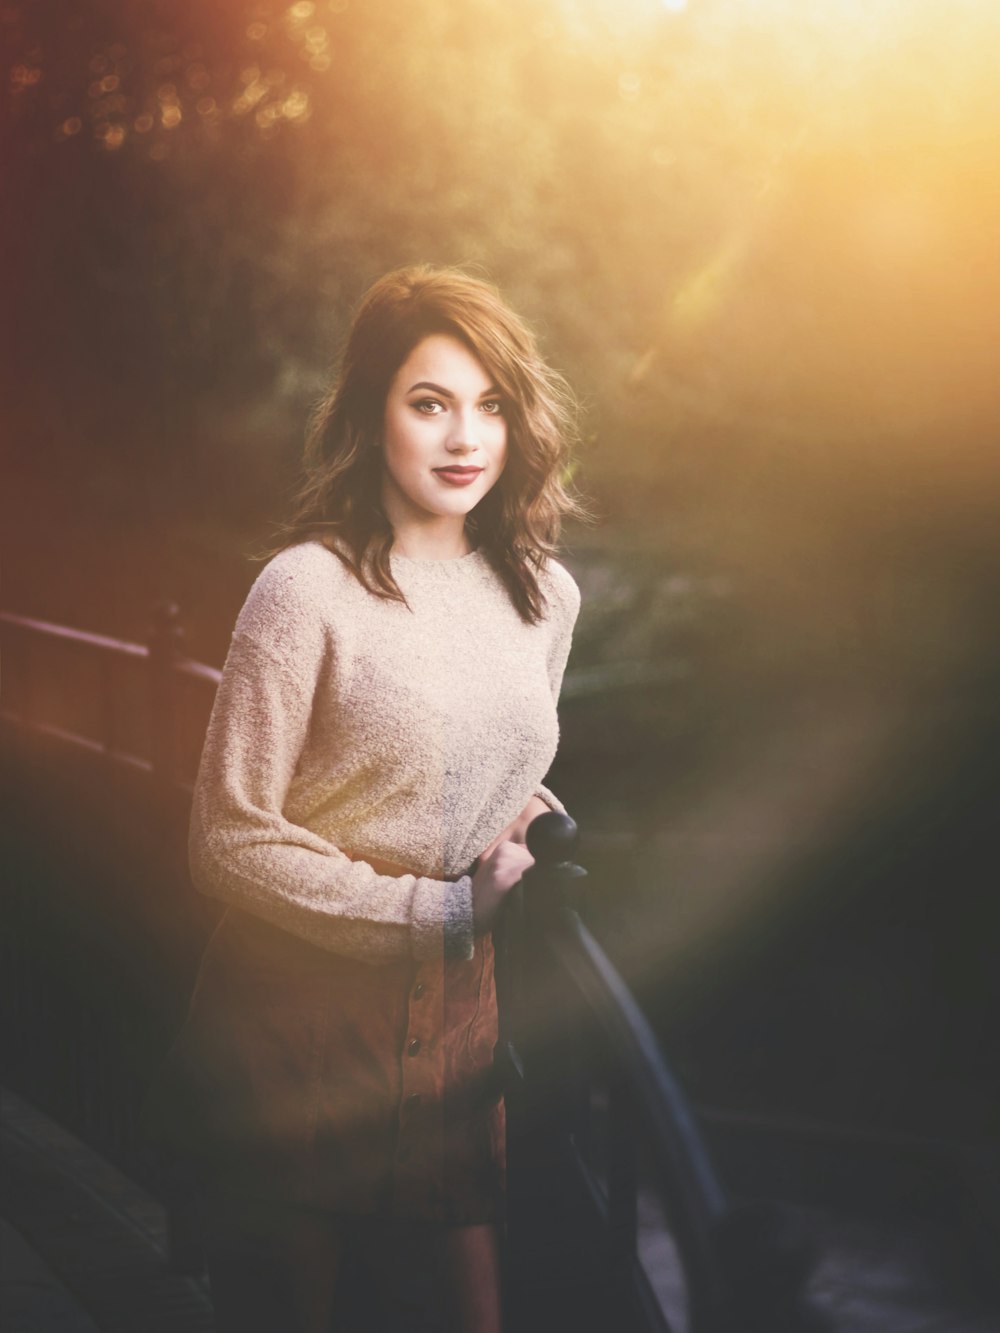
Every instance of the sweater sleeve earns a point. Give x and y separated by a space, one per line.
566 599
245 852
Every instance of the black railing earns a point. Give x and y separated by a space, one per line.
597 1116
153 746
599 1130
101 932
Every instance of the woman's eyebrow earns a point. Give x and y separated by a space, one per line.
491 392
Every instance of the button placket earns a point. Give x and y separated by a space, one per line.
420 1139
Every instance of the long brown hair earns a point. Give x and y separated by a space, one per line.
517 522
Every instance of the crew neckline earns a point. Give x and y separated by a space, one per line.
434 561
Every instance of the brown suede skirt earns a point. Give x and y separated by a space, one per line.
312 1079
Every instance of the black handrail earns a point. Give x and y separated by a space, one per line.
84 638
698 1203
743 1273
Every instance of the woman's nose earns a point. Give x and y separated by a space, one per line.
464 431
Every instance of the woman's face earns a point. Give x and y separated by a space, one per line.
444 441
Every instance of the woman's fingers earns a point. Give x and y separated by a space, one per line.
497 874
509 861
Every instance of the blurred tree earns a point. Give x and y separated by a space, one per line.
733 223
760 238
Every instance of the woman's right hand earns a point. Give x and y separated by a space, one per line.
498 872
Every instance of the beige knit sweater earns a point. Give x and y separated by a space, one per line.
412 734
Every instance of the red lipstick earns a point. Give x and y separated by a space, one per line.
458 476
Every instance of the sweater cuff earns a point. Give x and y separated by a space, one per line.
441 922
550 799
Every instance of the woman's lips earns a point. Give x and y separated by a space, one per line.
458 476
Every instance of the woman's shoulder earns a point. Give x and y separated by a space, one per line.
293 597
307 565
560 588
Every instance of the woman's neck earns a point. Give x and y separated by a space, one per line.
415 542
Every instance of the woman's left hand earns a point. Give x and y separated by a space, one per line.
517 829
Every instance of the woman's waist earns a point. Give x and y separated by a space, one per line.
396 841
258 949
385 866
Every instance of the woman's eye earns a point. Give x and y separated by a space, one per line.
492 407
429 406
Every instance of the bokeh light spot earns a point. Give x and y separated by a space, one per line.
23 76
250 96
296 105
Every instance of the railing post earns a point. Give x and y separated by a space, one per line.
552 840
552 1280
165 639
526 1013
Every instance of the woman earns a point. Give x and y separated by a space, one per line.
385 717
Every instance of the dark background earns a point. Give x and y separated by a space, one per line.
760 240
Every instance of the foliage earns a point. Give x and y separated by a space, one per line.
757 234
719 212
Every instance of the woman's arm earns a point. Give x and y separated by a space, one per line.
245 852
564 601
547 800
